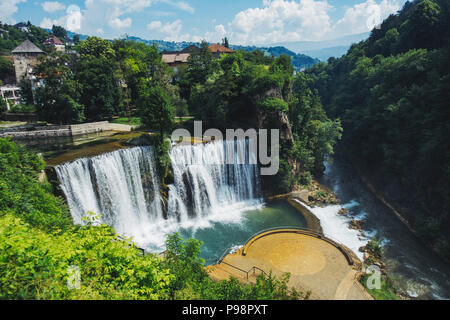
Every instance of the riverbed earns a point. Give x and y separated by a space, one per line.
416 270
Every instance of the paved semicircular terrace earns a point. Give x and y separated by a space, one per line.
328 270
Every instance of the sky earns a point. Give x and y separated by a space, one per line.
244 22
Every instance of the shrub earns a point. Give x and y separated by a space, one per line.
2 105
274 104
306 179
22 108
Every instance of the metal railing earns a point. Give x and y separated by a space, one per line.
254 269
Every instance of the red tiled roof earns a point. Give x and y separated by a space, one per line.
53 40
218 48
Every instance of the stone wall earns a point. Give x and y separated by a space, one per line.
23 62
65 131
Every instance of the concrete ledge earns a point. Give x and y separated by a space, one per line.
64 131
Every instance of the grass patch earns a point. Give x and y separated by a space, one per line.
132 121
386 292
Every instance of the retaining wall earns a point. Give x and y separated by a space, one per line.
65 131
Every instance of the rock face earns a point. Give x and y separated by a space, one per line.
275 119
52 178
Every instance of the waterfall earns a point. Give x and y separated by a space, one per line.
123 187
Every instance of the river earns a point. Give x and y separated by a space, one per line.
415 269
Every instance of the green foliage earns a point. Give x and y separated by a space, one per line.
57 101
2 105
22 108
26 92
21 193
386 292
283 181
96 47
133 121
155 106
6 69
35 264
59 32
13 37
273 104
391 93
305 179
374 248
99 92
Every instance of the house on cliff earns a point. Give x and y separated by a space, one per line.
176 59
54 42
218 50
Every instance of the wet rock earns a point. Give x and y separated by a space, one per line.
356 224
343 212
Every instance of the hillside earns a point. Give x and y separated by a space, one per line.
391 92
12 37
299 61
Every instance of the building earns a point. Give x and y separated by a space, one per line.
176 59
25 59
10 94
22 26
218 50
54 41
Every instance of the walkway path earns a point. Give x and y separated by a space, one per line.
315 265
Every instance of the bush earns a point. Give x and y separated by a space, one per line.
22 108
306 179
273 104
2 105
37 265
23 195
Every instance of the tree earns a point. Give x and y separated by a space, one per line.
156 109
225 42
2 104
76 39
59 32
58 100
200 66
6 69
95 71
96 47
26 92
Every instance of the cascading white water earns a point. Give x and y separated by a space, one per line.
204 182
123 187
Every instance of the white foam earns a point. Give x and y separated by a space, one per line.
335 226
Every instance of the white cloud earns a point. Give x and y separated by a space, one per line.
218 34
365 16
170 31
53 6
7 9
154 25
48 23
281 20
304 20
117 23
